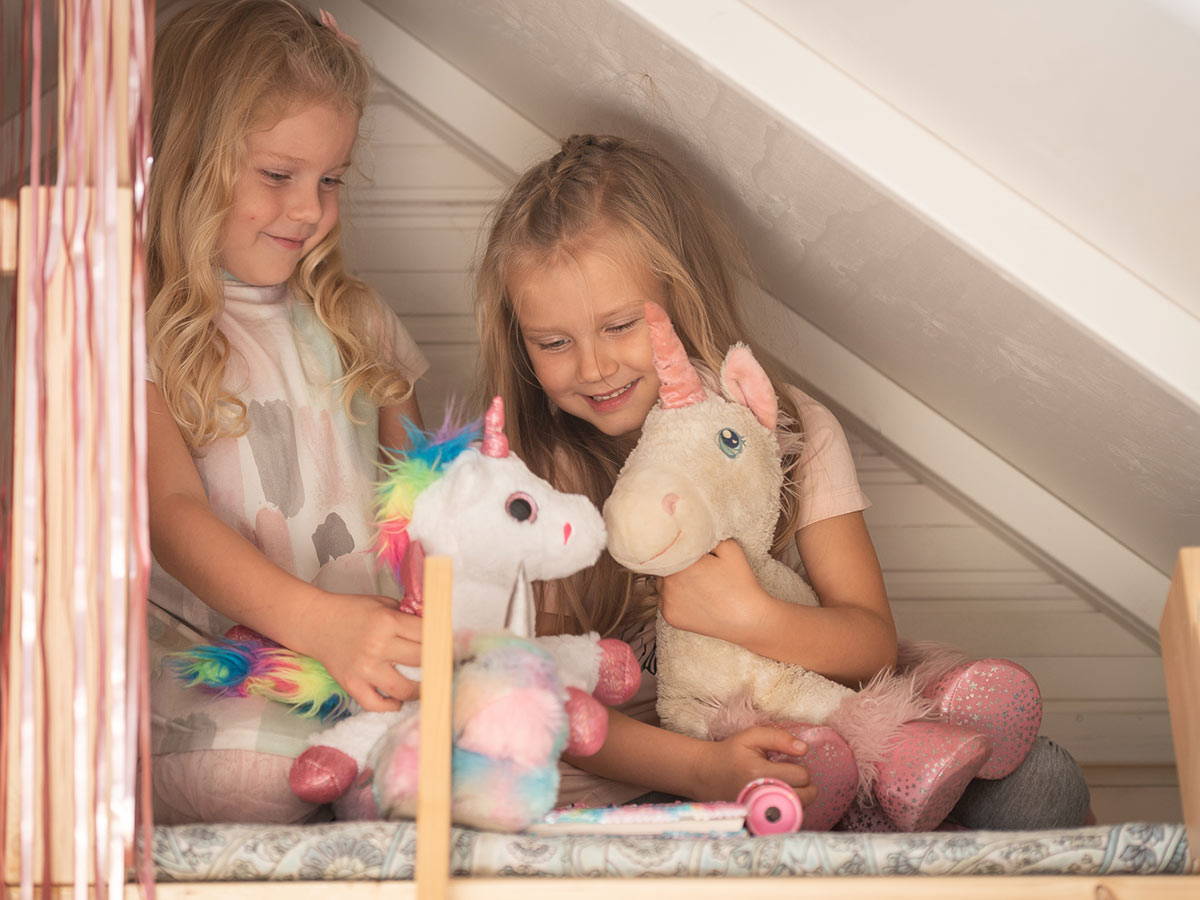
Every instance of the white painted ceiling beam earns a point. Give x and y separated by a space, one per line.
966 203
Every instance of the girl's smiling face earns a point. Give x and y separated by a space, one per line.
285 200
581 319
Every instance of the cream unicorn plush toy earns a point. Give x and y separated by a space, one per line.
708 467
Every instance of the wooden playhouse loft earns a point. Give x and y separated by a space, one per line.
72 621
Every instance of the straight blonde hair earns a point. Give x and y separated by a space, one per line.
601 185
222 69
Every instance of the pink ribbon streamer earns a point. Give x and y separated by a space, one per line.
76 232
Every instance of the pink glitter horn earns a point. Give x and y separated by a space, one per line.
495 443
679 383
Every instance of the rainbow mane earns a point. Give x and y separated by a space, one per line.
407 474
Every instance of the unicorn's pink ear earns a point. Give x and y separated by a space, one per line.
744 381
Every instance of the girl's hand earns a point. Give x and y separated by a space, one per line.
717 595
722 768
359 638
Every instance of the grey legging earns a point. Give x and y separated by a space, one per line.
1046 791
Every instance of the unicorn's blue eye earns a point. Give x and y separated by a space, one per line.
730 442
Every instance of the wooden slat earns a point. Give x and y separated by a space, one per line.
414 249
433 794
1180 634
1015 628
913 504
387 121
420 293
1111 732
396 164
1105 678
946 548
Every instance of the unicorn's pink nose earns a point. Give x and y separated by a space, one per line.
668 502
566 531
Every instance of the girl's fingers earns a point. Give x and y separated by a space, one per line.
766 738
402 651
395 685
408 626
791 773
369 699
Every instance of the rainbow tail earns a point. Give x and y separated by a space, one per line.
246 668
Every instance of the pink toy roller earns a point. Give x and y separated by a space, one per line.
772 807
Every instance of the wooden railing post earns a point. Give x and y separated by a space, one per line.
432 872
1180 636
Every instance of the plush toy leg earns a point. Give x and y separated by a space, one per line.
921 778
620 675
831 767
327 769
605 668
587 721
996 697
863 817
322 774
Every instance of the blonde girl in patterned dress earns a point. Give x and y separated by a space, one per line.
275 375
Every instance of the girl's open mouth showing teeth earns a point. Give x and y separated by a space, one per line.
612 399
601 397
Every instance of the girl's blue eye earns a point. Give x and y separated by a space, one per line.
274 176
332 182
730 442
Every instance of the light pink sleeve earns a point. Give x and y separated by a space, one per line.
827 479
399 348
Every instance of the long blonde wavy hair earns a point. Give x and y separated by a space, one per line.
601 185
222 69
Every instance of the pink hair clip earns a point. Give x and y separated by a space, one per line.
326 18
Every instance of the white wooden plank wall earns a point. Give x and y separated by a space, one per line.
413 233
413 221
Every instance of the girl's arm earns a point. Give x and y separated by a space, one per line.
660 760
357 637
848 638
391 421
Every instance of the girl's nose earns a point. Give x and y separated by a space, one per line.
596 365
305 206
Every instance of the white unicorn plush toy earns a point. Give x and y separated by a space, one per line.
519 701
708 467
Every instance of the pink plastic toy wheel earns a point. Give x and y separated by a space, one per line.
772 807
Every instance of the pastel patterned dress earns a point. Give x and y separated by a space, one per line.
297 484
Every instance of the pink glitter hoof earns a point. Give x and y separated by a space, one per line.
321 774
244 635
861 817
620 674
923 776
831 767
588 723
772 807
998 698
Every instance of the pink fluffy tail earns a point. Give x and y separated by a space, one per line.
736 715
925 662
870 721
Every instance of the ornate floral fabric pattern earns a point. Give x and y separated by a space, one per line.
341 851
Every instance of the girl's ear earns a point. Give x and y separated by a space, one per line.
744 381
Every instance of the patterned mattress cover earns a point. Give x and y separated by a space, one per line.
386 850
